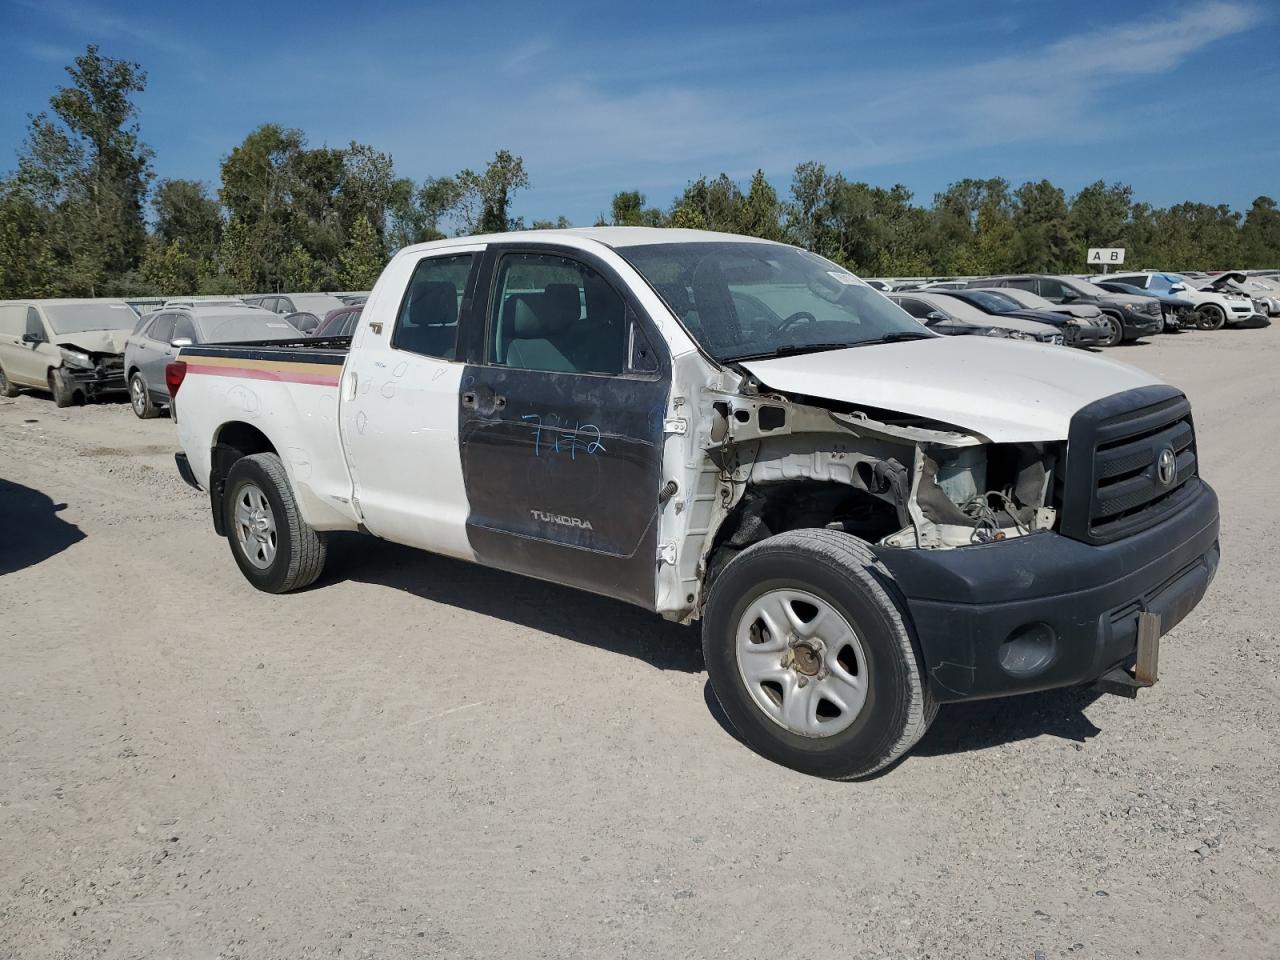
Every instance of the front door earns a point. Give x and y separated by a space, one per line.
399 406
32 361
561 420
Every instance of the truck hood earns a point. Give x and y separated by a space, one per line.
1004 391
95 341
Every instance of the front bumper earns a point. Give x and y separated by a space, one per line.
106 377
1086 335
1141 325
969 602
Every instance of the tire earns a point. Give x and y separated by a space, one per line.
64 395
1210 316
140 398
7 389
826 572
1114 331
291 555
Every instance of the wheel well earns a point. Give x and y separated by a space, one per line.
231 442
767 509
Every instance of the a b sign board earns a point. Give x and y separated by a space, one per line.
1106 256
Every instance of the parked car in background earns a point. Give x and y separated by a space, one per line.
1231 286
1214 309
209 301
316 304
1075 333
160 335
72 348
955 318
1178 312
339 323
1127 317
353 299
303 322
1086 313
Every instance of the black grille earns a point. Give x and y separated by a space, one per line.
1114 483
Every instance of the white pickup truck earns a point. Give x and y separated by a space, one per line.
869 519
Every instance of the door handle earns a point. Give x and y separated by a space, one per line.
483 399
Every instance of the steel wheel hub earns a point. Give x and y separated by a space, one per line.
255 526
802 663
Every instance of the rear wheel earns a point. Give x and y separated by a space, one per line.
64 395
7 389
1210 316
140 398
275 548
809 653
1113 330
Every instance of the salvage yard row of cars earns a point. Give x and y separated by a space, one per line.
851 487
80 350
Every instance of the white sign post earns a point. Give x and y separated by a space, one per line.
1106 257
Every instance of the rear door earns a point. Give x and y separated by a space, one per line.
560 423
399 406
31 362
155 351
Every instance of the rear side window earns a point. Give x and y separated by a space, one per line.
917 308
428 320
184 328
162 329
554 313
12 320
1024 283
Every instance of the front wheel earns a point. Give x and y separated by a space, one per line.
1210 316
275 548
63 393
1113 330
140 398
7 389
809 653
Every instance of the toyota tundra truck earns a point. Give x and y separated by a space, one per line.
869 519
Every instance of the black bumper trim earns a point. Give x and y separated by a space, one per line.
184 470
966 602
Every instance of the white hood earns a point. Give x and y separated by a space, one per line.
1007 391
95 341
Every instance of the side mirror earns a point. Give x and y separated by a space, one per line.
1068 297
180 342
935 317
34 338
1177 288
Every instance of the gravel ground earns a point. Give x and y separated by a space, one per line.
420 758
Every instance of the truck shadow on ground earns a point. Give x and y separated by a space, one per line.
30 529
572 614
969 727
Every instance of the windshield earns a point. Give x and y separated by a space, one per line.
82 317
1084 287
238 328
741 299
992 302
957 308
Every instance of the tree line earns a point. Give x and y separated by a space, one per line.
82 214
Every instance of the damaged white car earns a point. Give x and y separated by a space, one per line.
869 519
72 348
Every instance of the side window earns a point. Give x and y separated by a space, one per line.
1023 283
184 328
428 320
556 314
162 329
33 323
12 321
1054 290
349 324
917 308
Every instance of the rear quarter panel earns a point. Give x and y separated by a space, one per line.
290 395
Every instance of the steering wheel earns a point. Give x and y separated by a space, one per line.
795 318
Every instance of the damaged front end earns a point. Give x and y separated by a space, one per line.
92 373
776 462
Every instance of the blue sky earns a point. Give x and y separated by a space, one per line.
1181 100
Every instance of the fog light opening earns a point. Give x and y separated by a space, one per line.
1028 650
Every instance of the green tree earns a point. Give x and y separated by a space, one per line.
28 264
484 200
760 214
1260 234
85 164
1043 242
1099 216
364 257
169 270
629 210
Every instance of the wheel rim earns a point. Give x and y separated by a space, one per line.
137 392
802 663
1114 331
255 526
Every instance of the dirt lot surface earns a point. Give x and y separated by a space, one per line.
420 758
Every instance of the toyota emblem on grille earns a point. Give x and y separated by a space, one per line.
1166 466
